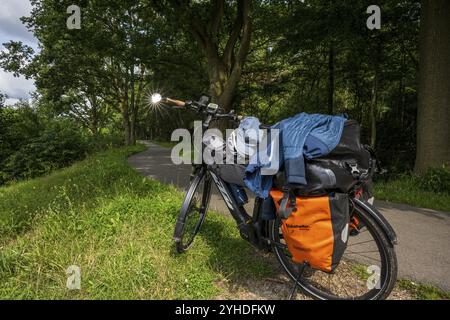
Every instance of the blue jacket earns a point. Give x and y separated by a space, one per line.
303 135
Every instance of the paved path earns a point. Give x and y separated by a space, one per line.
424 235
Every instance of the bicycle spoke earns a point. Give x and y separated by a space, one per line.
354 244
365 256
365 251
348 280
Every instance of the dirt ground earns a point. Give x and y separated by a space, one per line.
280 286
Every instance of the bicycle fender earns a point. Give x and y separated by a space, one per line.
379 218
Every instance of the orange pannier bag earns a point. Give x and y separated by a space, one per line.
316 231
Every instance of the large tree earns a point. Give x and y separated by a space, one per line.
222 30
433 116
106 62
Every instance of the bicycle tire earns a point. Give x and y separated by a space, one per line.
200 177
388 275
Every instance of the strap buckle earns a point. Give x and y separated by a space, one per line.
354 169
288 203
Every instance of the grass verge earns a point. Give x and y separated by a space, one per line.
422 291
405 190
117 227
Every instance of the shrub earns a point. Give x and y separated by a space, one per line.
33 144
436 180
58 145
104 141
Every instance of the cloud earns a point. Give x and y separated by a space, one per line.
10 102
11 28
15 88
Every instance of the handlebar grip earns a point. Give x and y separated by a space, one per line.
177 103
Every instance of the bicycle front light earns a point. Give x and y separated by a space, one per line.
156 98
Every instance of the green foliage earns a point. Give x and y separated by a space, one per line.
100 76
294 76
409 189
2 100
32 144
56 146
104 140
436 179
431 190
117 227
15 57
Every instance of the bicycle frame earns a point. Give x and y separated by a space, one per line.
251 228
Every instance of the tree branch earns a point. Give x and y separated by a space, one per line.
234 36
242 53
246 32
217 11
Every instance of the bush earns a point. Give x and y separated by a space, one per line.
431 190
436 180
32 144
105 141
58 145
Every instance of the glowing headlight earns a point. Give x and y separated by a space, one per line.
156 98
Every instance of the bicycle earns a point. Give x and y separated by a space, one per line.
368 274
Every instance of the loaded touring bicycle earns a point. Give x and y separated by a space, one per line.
327 236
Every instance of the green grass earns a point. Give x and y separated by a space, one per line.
117 227
361 271
417 290
406 190
422 291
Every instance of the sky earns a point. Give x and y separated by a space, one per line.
11 28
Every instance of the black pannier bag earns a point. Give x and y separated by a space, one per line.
347 164
231 173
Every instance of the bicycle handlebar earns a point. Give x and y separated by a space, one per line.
174 102
201 108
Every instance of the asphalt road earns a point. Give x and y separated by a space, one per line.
423 250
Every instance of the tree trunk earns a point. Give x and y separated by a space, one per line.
133 128
126 120
94 124
137 101
330 79
94 115
127 127
373 110
375 84
433 110
133 109
224 68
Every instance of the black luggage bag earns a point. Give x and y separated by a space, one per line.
348 164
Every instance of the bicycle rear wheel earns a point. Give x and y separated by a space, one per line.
368 269
193 211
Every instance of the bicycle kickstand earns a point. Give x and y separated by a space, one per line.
300 272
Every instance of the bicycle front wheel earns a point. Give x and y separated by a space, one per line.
193 211
368 269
